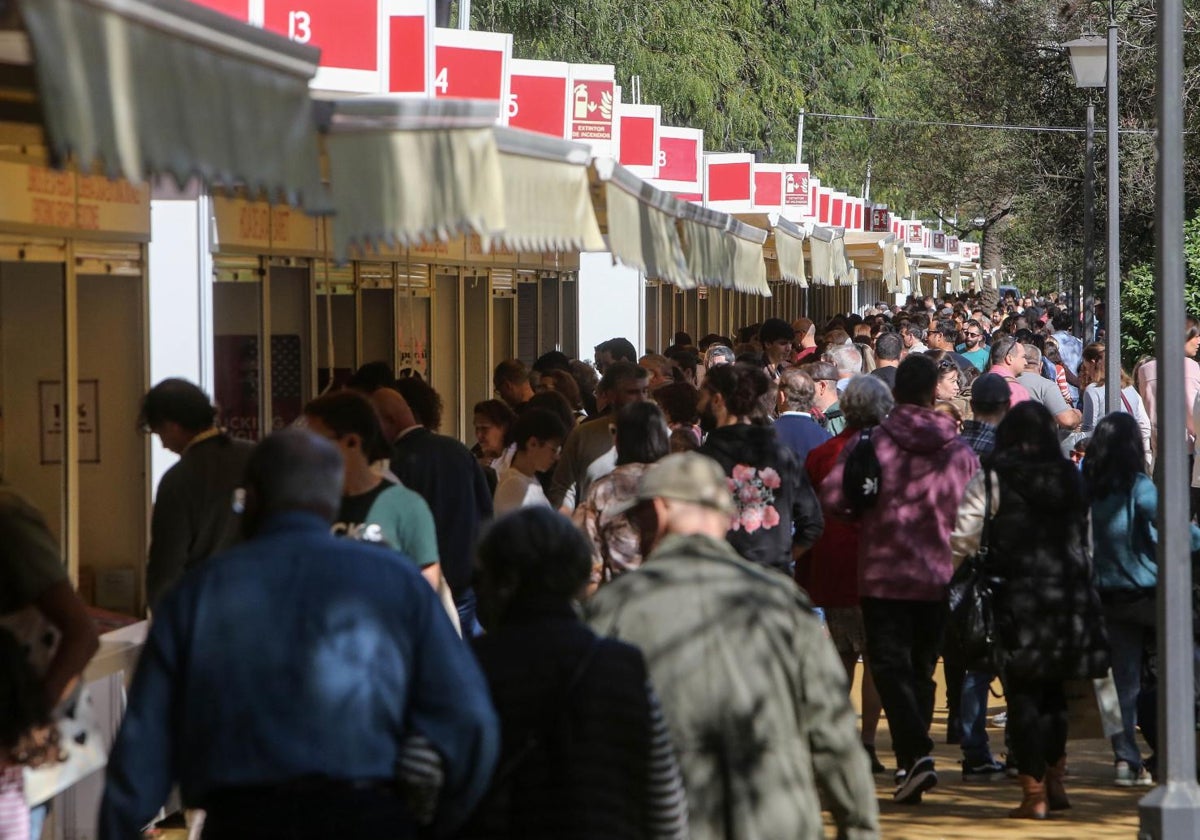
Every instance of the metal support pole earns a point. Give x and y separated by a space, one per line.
1112 285
1089 223
1172 810
464 14
800 138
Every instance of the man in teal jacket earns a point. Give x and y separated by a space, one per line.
754 693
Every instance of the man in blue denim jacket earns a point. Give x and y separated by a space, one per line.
282 680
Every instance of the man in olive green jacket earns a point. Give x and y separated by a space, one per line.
754 693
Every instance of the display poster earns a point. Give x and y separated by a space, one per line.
50 421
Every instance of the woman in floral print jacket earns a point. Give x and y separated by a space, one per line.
778 515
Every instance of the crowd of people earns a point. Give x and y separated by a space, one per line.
666 569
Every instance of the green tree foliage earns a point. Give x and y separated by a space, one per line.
739 69
1139 311
743 69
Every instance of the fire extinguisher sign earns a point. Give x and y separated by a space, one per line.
592 104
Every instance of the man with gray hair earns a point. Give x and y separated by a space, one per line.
825 377
849 361
795 425
1044 391
752 690
285 681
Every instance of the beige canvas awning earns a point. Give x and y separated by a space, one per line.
724 252
547 198
749 267
407 172
828 249
641 222
144 87
789 248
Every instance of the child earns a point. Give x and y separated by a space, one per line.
538 435
27 737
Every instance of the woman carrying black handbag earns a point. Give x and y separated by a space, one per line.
1048 626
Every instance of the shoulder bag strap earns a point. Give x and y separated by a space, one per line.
986 537
1125 400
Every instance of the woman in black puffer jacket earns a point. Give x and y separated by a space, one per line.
1049 627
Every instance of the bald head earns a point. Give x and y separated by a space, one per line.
394 413
292 470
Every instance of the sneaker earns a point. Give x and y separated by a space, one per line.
983 771
899 776
876 765
920 778
1000 720
1126 776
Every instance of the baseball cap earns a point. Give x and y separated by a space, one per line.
685 477
990 389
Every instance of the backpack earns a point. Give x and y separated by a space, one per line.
862 474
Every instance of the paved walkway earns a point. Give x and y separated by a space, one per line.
958 811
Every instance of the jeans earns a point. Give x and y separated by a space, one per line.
976 747
1037 724
903 642
467 613
37 820
1127 640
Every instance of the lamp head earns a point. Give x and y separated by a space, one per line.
1089 60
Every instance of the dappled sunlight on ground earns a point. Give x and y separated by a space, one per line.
957 811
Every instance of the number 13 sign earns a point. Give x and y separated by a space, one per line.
347 32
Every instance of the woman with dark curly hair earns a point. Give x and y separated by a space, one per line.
778 512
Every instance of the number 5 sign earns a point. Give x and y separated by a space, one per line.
473 65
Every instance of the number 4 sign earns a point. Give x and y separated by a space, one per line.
473 65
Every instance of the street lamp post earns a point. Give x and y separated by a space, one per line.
1089 59
1172 810
1112 285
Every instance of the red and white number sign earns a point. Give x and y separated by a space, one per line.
637 137
537 96
408 40
768 186
729 181
472 65
347 32
680 152
836 208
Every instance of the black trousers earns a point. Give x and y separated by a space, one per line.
904 639
304 813
1037 724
